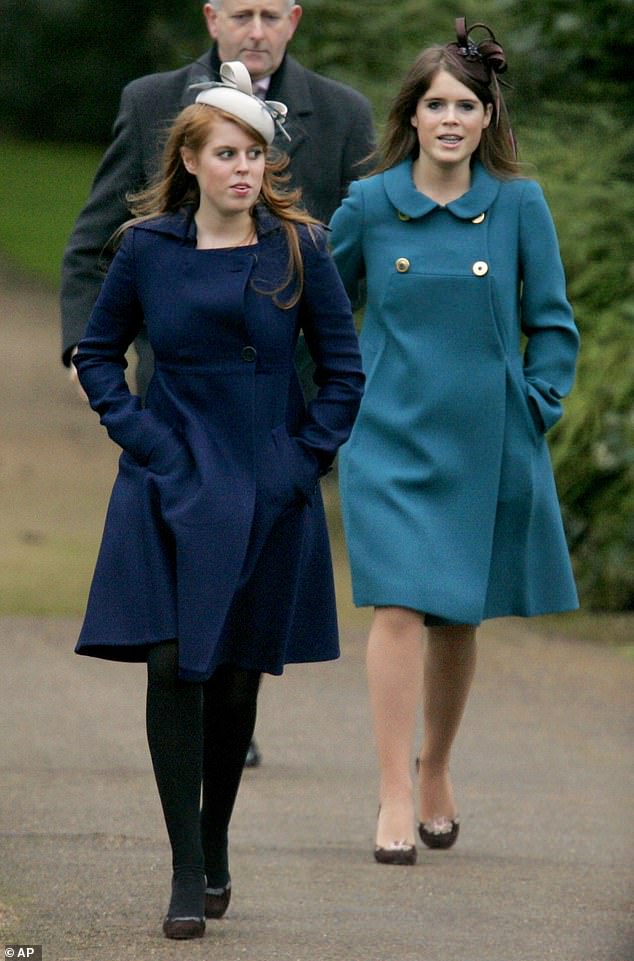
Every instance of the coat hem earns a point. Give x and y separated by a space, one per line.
433 618
137 654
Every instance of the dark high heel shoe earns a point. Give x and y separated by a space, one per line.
254 755
397 852
184 918
439 833
183 929
217 901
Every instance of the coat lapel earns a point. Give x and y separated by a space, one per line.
199 71
289 84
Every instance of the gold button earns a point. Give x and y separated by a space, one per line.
402 216
478 219
402 265
480 268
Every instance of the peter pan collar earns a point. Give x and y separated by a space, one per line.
411 203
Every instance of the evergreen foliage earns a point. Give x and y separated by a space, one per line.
569 50
585 157
64 62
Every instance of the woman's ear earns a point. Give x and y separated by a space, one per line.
189 159
488 113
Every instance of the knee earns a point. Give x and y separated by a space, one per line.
461 635
162 664
399 621
235 687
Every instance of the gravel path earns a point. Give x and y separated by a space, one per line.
542 869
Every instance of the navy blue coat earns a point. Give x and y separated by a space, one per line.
215 532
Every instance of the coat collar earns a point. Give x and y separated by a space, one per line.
411 203
198 71
181 224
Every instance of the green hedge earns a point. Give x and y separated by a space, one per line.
584 159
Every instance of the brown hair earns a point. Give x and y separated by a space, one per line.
175 187
399 141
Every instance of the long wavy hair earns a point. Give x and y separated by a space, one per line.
175 188
496 149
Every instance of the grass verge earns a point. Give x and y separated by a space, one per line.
42 189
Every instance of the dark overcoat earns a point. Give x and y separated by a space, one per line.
448 493
215 532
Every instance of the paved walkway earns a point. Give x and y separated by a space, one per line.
542 769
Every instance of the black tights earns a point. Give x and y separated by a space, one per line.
199 734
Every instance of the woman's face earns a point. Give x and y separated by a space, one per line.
449 121
229 169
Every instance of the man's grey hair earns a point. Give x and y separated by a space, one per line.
217 4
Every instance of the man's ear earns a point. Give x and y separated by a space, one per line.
211 19
295 16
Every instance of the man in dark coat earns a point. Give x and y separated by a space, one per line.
330 126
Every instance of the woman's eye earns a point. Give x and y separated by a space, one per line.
255 153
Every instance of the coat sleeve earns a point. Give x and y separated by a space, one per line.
121 170
547 320
327 323
100 361
347 244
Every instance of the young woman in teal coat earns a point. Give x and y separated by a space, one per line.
449 502
214 564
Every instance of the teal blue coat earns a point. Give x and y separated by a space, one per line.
449 500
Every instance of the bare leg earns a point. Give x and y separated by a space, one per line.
449 666
395 666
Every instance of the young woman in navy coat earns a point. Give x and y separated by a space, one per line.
449 501
215 563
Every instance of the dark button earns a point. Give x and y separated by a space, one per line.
249 354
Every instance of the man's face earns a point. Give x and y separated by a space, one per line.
255 32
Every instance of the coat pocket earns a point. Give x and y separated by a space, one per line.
167 455
290 473
175 476
531 415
